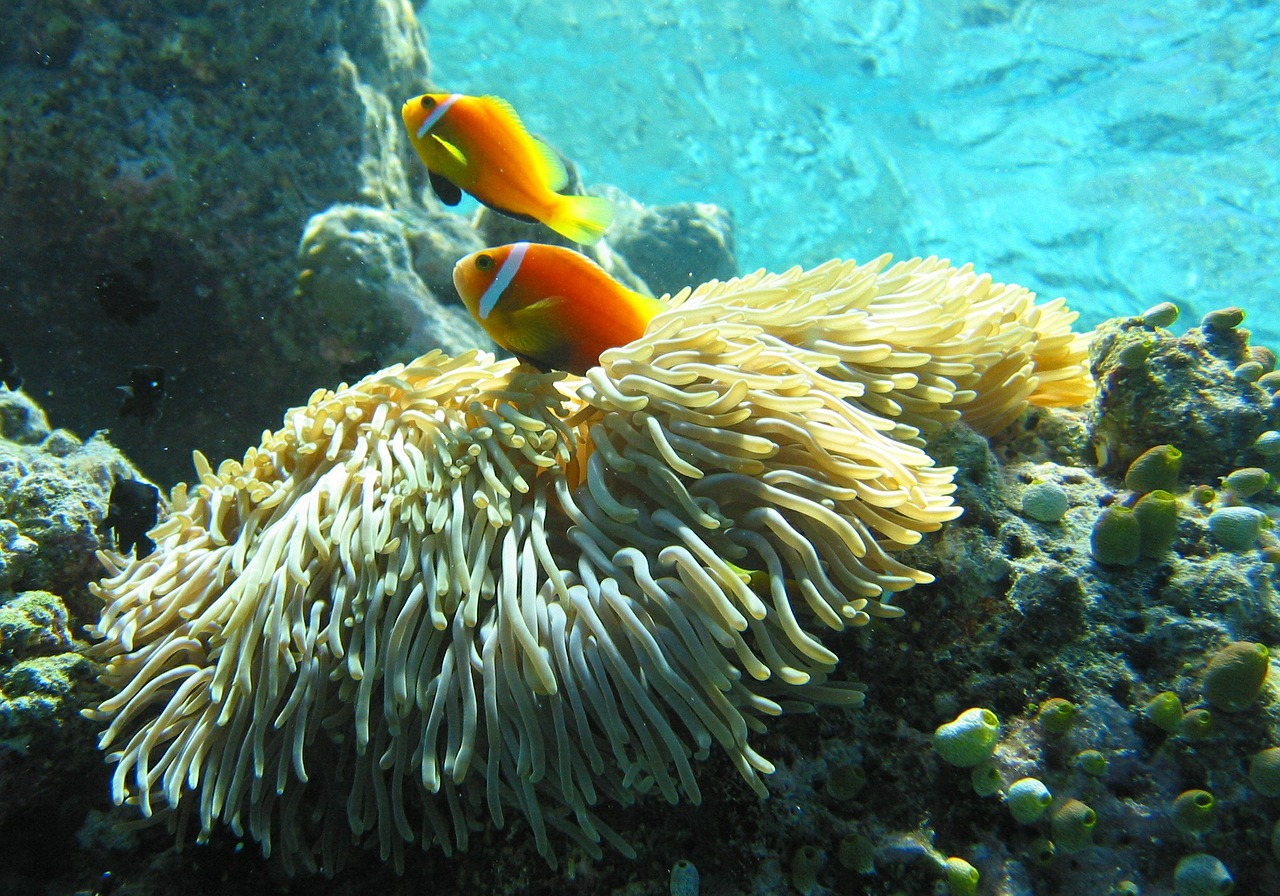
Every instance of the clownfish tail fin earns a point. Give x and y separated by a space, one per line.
583 219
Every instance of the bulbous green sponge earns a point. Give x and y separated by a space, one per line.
1093 763
1198 724
1194 811
1154 468
962 878
1223 318
1056 715
1268 443
1236 528
806 862
846 780
1045 502
1028 799
1235 675
1164 710
857 853
1072 824
1157 516
985 779
1247 481
1201 874
684 879
1042 851
1264 771
1116 538
1162 315
969 738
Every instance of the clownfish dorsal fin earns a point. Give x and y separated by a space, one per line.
547 161
549 165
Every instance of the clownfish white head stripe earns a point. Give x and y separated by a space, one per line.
506 273
437 113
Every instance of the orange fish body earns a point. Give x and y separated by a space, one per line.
479 145
549 305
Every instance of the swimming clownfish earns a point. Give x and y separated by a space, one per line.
550 306
478 144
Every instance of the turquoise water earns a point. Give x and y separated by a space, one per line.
1118 153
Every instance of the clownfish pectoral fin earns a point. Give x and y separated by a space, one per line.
446 190
449 149
539 323
537 331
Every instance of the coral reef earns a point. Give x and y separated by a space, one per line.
1028 616
180 153
223 225
41 665
54 491
201 161
1182 392
45 680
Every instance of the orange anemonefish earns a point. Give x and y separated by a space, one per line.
550 306
478 144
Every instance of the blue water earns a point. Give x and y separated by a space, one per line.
1118 153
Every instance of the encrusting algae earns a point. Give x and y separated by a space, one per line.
458 591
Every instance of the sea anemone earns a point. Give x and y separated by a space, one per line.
459 590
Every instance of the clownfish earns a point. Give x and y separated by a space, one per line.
478 144
550 306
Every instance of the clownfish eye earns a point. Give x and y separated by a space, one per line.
428 104
484 263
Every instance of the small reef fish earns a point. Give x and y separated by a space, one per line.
144 396
9 370
550 306
479 145
131 514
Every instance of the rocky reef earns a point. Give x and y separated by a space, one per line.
1104 679
54 492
